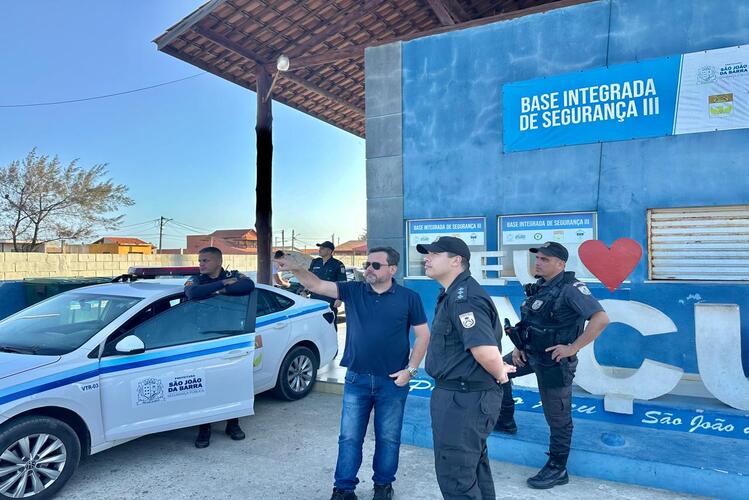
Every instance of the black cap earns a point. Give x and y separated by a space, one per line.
447 244
326 244
552 249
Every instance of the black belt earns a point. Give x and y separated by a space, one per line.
459 385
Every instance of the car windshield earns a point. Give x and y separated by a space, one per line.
62 323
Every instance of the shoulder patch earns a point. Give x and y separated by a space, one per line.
467 320
582 287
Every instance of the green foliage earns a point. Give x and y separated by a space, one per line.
41 201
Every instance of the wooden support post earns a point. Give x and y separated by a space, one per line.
263 201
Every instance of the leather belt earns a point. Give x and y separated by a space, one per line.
462 386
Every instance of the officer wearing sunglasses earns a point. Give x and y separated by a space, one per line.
379 316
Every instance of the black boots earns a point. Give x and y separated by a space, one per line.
383 492
233 430
552 474
204 436
343 495
506 426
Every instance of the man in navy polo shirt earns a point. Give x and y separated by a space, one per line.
379 316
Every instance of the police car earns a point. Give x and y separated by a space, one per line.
97 366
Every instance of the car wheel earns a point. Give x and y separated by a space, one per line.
297 374
37 457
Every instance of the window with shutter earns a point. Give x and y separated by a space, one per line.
699 243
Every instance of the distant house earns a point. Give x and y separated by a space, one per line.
120 245
229 241
7 246
352 247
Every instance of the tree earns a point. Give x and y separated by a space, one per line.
363 235
42 201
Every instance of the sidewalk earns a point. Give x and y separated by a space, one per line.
289 453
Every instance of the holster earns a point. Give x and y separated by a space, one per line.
518 336
548 371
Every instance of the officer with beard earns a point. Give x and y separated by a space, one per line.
550 333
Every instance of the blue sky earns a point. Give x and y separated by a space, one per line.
186 150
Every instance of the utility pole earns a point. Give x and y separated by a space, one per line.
283 240
332 238
162 222
293 237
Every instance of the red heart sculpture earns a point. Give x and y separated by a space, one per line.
611 266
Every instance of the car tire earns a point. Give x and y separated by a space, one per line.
51 445
296 376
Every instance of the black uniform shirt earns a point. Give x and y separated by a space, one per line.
332 270
203 286
576 300
465 317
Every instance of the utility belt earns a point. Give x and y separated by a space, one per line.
537 339
549 372
462 386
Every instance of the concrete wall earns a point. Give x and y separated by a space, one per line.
453 165
16 266
384 148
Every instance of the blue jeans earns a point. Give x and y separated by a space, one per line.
361 393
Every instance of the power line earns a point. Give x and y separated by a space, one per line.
69 101
153 221
191 228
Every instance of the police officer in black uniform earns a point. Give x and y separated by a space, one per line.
328 268
465 360
214 279
550 333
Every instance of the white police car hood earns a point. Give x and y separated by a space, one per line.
13 364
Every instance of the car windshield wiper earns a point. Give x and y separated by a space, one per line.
17 350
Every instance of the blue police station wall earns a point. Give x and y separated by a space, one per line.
453 163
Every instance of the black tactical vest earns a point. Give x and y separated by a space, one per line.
543 319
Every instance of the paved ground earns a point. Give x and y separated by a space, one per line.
289 453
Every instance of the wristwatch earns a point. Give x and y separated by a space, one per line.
412 371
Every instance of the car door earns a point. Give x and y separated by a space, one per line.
274 327
196 368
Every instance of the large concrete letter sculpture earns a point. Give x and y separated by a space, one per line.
718 340
650 380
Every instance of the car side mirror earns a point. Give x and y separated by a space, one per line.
130 345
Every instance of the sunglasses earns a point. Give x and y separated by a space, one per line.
375 265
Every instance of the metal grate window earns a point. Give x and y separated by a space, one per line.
703 243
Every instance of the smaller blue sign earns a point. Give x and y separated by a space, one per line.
431 226
545 222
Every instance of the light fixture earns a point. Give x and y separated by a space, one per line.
282 65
